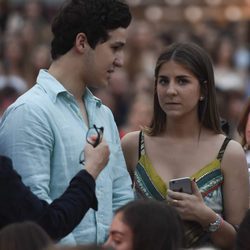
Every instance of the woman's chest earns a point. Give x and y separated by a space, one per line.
171 161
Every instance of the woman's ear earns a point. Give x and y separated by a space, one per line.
203 89
155 85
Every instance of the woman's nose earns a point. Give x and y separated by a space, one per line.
171 88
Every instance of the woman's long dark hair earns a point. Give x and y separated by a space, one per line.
195 59
155 225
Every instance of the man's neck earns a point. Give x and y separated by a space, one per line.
68 75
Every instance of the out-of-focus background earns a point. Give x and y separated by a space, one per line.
222 27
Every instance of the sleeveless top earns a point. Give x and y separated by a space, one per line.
209 179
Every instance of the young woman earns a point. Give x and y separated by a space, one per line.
147 225
185 140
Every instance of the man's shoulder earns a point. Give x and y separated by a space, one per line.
32 97
33 103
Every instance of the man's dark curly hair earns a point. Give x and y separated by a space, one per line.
95 18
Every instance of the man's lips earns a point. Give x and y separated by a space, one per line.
110 71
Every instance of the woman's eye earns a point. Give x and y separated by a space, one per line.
162 81
182 81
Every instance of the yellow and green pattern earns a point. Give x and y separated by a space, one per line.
149 185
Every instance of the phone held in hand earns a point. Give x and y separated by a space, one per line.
183 185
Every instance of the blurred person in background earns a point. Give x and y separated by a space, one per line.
35 17
39 59
129 102
185 139
223 55
142 84
14 57
8 95
117 96
147 225
21 30
24 235
141 53
139 114
229 82
34 11
231 96
244 127
45 130
4 12
11 87
244 132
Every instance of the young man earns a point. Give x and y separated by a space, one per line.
44 131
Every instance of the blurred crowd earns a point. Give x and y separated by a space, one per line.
25 48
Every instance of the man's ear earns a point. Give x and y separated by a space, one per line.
80 42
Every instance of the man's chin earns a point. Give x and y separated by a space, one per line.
100 84
103 84
106 82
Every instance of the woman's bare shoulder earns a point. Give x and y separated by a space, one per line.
130 139
130 147
234 155
234 148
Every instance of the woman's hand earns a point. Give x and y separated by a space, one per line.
96 158
190 206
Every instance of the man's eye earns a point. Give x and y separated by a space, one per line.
117 242
116 48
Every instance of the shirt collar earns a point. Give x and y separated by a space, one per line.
53 87
90 97
50 85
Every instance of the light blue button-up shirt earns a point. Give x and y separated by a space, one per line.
43 133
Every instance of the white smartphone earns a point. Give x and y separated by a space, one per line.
181 185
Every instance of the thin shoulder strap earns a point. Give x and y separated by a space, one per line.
141 149
223 147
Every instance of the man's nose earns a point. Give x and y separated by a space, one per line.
108 243
119 60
